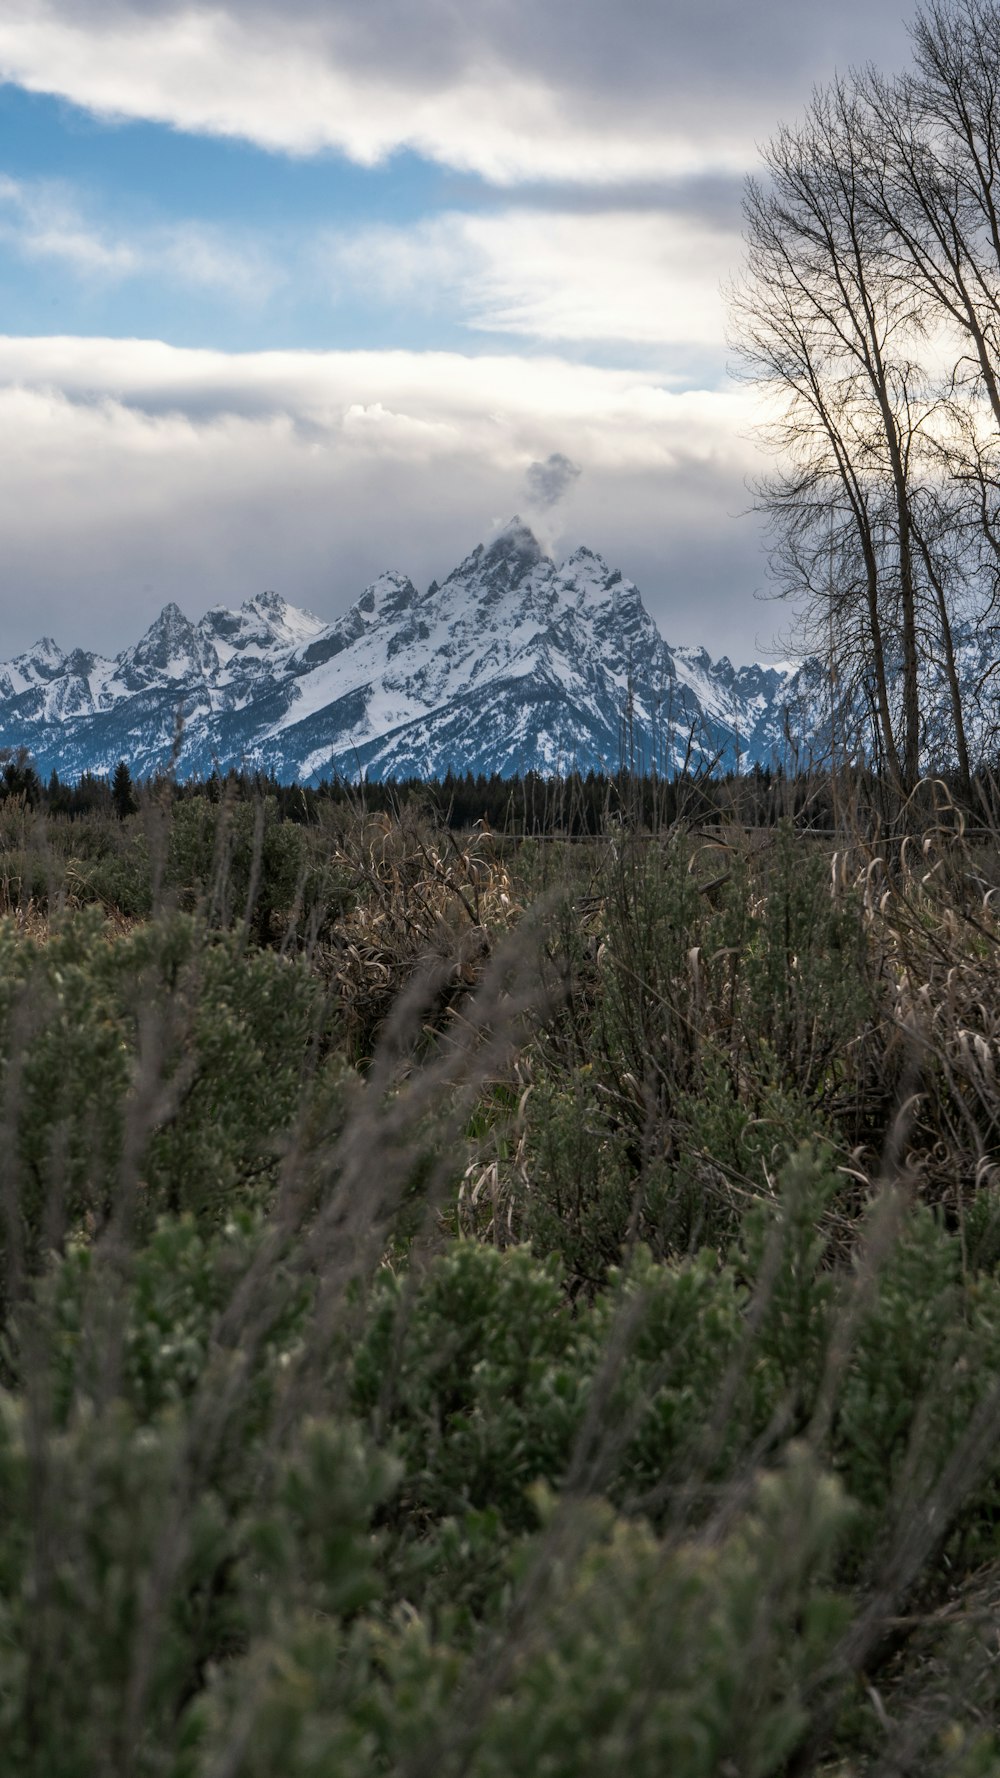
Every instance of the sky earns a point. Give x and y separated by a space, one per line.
296 291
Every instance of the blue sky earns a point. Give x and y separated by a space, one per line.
133 182
293 293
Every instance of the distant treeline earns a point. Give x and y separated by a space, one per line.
573 806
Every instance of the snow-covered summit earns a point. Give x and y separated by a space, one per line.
172 649
39 664
513 553
263 626
385 597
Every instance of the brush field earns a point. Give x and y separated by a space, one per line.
491 1306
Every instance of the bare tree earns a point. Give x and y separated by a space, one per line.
935 190
830 333
869 314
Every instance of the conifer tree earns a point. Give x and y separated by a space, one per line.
122 792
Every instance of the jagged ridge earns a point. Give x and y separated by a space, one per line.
513 663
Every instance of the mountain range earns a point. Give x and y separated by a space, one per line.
513 663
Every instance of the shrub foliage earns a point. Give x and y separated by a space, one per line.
492 1308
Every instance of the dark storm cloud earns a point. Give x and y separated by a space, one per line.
687 63
653 47
546 483
713 197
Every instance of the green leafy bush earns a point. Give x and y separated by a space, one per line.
156 1070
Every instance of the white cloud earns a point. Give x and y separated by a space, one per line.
287 84
624 413
41 221
132 472
47 219
204 258
644 277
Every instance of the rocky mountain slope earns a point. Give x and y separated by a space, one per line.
514 663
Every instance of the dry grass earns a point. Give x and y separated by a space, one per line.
421 901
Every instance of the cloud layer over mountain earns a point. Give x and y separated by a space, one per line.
203 476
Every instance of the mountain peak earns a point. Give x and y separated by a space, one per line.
46 652
516 541
169 627
514 553
171 649
590 556
287 624
171 617
38 664
262 624
386 596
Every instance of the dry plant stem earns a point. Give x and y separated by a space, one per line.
26 1021
256 861
885 1225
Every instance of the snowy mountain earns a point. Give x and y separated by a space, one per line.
513 663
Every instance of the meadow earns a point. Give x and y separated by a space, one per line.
515 1302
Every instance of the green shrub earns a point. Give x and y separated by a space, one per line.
240 861
585 1190
197 1048
476 1382
642 1656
